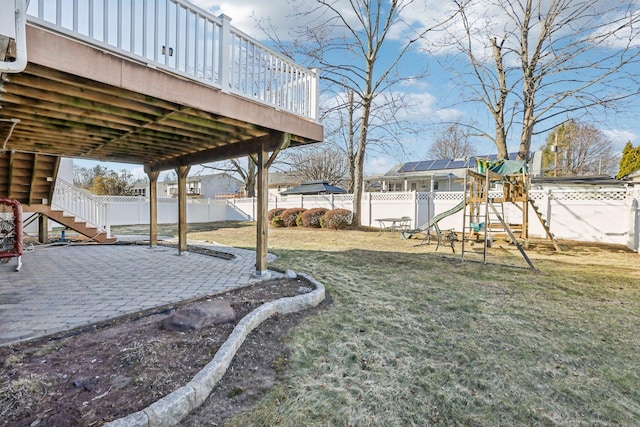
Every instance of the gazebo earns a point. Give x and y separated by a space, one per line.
314 187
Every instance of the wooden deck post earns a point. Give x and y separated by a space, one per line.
182 172
43 229
261 217
282 141
153 207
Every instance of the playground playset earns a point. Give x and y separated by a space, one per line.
483 212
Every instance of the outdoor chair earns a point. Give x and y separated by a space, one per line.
446 236
403 224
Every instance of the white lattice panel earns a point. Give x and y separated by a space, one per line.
449 195
392 196
134 199
590 195
537 195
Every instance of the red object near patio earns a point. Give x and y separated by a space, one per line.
11 244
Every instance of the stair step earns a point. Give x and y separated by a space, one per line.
79 226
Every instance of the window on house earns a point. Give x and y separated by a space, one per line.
435 185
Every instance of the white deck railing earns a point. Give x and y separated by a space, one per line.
81 204
179 37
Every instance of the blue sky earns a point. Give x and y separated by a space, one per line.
434 98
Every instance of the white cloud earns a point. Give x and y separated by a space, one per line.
243 14
423 108
378 165
138 172
620 137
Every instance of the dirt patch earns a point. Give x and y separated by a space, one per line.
91 376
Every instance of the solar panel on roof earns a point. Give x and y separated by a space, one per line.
408 167
424 166
440 164
457 164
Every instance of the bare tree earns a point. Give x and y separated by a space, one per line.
352 44
389 126
580 149
532 63
453 143
320 162
170 176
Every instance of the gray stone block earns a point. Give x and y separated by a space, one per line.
200 316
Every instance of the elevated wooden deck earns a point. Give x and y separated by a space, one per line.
183 94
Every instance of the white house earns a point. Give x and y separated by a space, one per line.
634 176
219 185
437 175
282 181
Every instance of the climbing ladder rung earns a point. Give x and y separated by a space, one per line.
545 225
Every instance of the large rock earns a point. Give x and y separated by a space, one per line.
200 316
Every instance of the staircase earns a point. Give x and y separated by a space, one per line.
79 226
71 203
545 225
31 179
28 177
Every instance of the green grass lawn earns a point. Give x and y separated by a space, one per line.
416 337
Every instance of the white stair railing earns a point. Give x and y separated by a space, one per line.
81 204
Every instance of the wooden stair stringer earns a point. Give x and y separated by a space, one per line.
74 224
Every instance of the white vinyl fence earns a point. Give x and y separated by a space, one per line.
130 210
601 215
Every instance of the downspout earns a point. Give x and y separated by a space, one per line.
20 62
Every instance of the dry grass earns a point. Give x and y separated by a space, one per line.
21 393
415 337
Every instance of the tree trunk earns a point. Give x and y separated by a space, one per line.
358 185
498 109
250 180
351 145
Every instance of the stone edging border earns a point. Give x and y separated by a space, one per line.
172 408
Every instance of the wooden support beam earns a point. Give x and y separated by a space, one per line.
182 172
43 229
511 236
222 152
262 217
32 184
263 161
153 207
52 187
